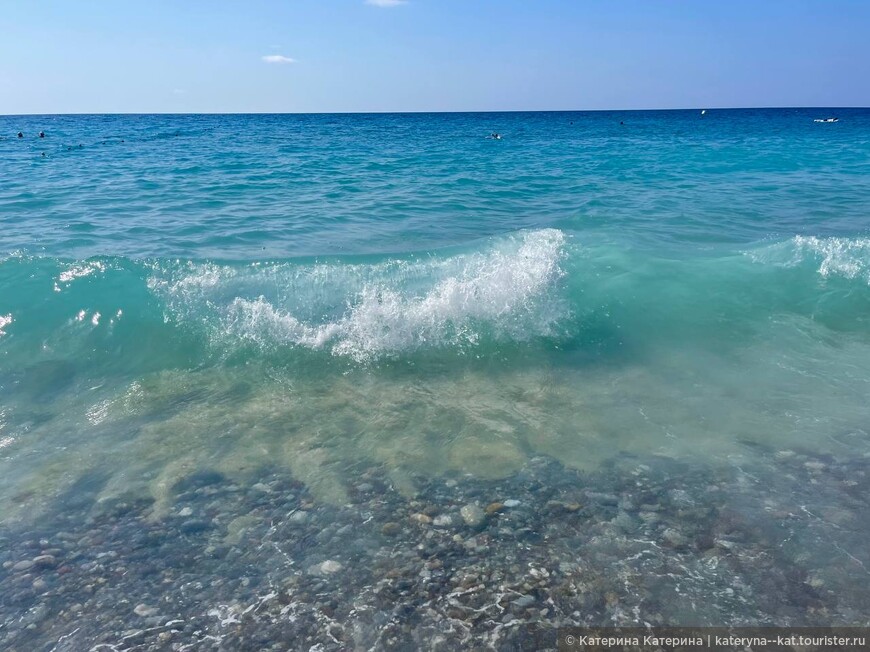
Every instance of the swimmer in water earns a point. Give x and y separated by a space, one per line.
20 135
42 134
495 136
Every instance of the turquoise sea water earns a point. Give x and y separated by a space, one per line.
229 292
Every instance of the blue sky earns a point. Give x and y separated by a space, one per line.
74 56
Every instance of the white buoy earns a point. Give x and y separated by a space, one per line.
703 111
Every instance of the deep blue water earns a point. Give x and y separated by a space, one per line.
406 289
247 187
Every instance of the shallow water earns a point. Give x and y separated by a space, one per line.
320 297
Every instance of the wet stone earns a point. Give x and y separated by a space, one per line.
524 601
45 561
194 527
472 514
674 538
624 522
391 529
330 566
144 611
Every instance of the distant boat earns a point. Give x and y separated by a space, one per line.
703 111
826 120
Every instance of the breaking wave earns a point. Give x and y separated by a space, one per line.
847 258
365 311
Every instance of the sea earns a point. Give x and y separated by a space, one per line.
597 328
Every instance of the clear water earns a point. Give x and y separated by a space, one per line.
229 292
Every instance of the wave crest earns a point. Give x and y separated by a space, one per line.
368 311
836 256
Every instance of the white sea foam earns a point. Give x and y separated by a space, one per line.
5 320
848 257
78 271
843 257
365 311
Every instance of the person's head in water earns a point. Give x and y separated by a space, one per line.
20 135
42 134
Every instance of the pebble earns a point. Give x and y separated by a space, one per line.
511 503
624 522
329 567
194 527
674 537
443 520
539 573
390 529
21 566
524 601
472 514
422 519
298 517
815 582
187 511
494 508
602 498
45 561
144 611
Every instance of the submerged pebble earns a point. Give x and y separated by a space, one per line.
144 611
472 514
281 570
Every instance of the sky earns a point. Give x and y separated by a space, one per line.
215 56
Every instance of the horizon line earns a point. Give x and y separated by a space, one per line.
423 112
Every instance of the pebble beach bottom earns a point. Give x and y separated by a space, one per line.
463 563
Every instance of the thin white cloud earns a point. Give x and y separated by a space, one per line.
278 58
386 3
